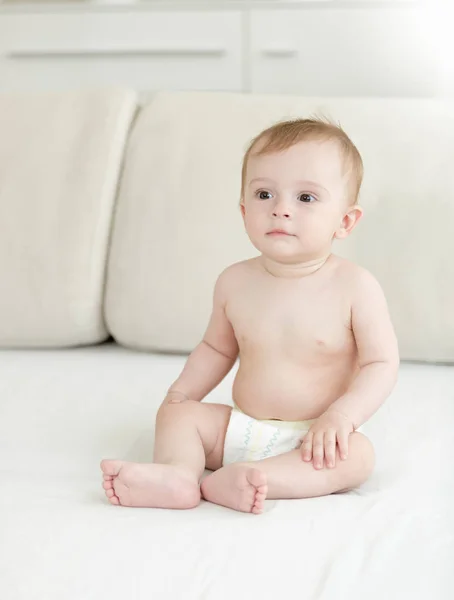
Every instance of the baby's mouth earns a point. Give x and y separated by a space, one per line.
278 232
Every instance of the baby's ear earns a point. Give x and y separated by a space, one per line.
349 222
242 208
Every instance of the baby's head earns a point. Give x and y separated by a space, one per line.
301 177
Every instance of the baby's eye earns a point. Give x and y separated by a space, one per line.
263 195
308 198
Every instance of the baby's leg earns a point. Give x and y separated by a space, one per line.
188 436
288 476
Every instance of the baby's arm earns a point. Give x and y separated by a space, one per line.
378 352
213 358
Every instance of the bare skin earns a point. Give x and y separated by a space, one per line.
314 341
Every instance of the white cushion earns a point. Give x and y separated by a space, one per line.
60 156
62 540
178 223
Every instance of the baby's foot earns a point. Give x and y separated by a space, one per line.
149 485
239 487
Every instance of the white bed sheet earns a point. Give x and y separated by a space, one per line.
62 411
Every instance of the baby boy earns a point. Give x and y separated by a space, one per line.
316 347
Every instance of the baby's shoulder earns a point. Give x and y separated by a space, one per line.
232 278
354 277
238 271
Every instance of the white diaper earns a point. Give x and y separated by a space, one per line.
248 439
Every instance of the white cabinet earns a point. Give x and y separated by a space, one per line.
149 50
342 52
311 49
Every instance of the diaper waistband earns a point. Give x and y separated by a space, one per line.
296 425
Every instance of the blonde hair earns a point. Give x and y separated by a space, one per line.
285 134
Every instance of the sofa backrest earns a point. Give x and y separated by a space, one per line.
60 158
178 224
176 220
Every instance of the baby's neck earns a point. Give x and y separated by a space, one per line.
293 271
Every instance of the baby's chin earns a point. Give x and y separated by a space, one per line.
282 249
289 256
283 257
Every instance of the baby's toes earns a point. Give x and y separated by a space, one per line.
262 489
258 508
260 497
110 492
259 501
259 504
111 496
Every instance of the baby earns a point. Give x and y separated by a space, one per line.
316 347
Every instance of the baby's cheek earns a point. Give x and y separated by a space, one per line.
255 227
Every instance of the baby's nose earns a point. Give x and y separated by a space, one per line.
281 213
282 208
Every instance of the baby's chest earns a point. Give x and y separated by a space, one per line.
321 325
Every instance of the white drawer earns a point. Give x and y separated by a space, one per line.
343 52
147 50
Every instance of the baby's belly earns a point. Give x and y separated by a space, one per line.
291 392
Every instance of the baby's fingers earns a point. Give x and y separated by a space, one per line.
306 447
330 448
342 442
318 450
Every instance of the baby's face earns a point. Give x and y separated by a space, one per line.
294 201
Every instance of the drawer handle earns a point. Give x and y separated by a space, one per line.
116 52
280 52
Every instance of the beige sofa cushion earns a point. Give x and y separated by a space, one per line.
178 223
60 156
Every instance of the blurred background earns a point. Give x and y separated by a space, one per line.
310 48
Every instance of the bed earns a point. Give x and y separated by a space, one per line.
62 411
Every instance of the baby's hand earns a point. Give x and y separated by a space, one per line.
331 428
